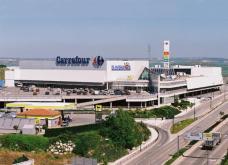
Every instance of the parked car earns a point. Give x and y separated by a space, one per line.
68 92
74 91
118 92
47 93
127 92
19 84
26 89
65 124
111 92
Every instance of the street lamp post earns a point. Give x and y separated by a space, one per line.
173 122
194 109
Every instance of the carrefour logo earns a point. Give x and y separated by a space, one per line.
98 61
72 61
79 61
125 67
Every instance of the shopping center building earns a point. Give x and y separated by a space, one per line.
158 85
94 72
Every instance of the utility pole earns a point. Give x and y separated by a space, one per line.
194 109
211 103
207 157
224 94
178 144
173 122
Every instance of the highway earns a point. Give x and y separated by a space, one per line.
159 153
199 156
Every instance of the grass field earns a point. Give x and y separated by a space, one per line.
41 158
181 125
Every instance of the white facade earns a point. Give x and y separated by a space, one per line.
130 74
202 77
80 74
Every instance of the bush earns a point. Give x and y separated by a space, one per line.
183 104
86 143
24 142
162 112
23 158
92 144
123 130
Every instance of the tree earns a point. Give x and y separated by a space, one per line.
123 130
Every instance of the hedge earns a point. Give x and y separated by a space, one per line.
162 112
75 130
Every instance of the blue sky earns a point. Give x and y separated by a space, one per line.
113 28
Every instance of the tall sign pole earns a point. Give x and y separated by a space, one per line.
166 54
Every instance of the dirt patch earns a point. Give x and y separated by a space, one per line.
41 158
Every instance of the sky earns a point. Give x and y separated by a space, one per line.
113 28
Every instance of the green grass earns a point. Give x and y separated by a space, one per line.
175 156
18 142
181 125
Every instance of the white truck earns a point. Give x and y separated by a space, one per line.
213 141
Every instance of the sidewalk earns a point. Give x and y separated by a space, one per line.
137 150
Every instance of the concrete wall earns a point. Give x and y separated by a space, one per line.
206 71
10 75
63 75
204 77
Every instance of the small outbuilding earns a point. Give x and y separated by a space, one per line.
29 129
42 117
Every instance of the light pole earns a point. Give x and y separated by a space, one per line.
194 109
207 157
178 144
173 122
224 90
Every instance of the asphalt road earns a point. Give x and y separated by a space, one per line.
199 156
157 155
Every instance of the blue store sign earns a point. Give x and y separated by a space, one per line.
125 67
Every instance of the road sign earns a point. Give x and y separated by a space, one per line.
207 136
98 108
194 136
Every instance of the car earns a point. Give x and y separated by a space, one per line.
127 92
68 92
111 92
65 124
118 92
47 93
74 90
18 84
26 89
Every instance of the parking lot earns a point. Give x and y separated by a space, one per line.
58 93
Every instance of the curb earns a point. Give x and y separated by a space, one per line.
136 151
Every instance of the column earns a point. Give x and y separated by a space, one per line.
111 105
145 104
128 105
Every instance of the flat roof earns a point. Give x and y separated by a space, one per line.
41 105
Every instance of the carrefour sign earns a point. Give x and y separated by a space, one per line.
125 67
79 61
